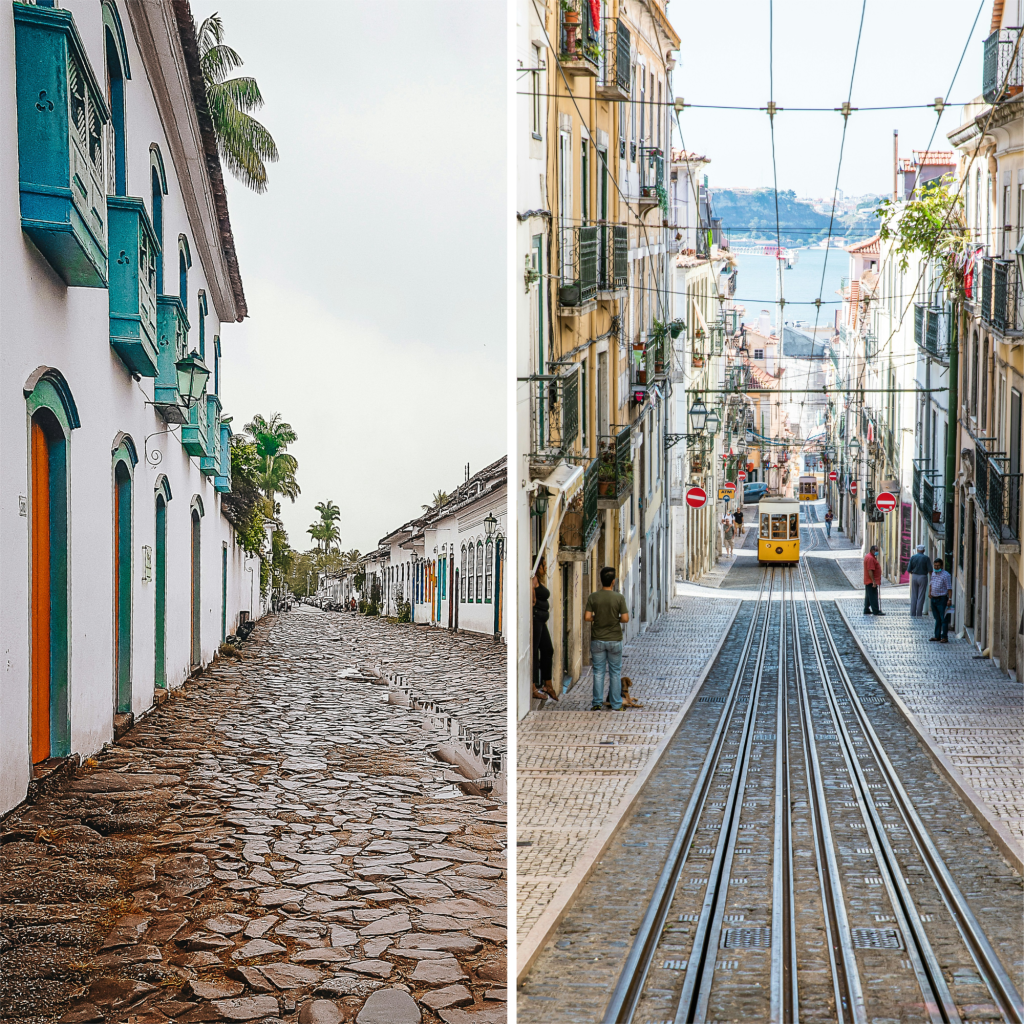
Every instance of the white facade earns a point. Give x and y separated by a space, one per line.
55 345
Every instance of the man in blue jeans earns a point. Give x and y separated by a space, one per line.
941 584
606 611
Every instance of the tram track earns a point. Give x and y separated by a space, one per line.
836 802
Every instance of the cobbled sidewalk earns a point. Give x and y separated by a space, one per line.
973 713
275 842
577 766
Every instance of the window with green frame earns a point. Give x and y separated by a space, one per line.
479 571
471 573
489 571
462 578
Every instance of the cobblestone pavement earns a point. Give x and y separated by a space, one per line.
275 842
974 713
575 766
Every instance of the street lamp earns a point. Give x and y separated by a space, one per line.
713 422
490 525
540 501
854 447
698 416
192 375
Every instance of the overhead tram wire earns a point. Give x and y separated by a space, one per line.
752 110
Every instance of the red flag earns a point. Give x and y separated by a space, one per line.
595 13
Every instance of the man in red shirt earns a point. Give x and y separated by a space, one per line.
872 581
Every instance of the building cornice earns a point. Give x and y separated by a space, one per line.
165 34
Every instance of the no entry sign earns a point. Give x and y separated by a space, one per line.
729 485
886 501
853 486
696 497
741 475
833 475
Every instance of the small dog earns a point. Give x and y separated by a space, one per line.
627 701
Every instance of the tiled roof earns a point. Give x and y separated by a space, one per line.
869 247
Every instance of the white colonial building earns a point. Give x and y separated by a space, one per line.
120 574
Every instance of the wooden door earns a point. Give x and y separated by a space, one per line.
160 631
40 593
123 586
197 648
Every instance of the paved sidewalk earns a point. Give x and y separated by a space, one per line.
971 714
580 770
276 842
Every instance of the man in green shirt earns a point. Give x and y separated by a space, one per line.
606 610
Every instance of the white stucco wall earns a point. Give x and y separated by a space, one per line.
45 323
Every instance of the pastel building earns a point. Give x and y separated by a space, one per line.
120 573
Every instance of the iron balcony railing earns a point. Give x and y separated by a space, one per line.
929 492
613 61
870 345
997 68
554 414
998 493
580 45
580 266
931 330
580 525
615 469
612 257
657 356
1007 315
985 287
652 173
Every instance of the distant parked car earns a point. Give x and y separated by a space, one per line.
753 492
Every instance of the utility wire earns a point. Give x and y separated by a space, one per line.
778 110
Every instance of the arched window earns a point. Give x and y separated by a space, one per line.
489 571
158 189
184 264
479 571
202 309
462 576
117 183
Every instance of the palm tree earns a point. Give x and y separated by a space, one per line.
329 512
440 498
243 142
277 467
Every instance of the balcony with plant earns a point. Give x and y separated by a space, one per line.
580 51
61 118
614 468
580 525
612 259
578 292
614 64
1002 70
554 416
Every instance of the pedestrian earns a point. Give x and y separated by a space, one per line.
941 583
543 648
828 522
920 568
606 611
872 581
737 518
728 533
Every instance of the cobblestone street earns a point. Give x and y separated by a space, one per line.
275 842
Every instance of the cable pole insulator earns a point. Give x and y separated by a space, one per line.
940 104
846 110
772 109
679 105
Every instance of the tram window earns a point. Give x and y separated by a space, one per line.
794 525
764 526
779 527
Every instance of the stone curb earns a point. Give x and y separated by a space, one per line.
530 948
997 830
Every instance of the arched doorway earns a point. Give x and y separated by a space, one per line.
123 586
197 646
160 580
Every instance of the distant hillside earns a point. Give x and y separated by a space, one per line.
751 215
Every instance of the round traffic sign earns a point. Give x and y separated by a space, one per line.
886 501
741 475
853 486
729 485
833 475
696 497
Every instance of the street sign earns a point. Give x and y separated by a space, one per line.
885 501
729 485
696 497
833 475
741 475
853 486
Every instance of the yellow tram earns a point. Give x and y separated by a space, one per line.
807 487
778 532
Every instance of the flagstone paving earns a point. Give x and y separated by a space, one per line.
275 842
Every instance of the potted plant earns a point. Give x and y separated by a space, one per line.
570 294
606 480
676 327
698 361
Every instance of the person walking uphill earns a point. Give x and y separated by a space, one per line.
606 610
829 516
940 586
920 568
872 581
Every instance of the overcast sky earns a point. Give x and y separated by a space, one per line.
375 265
908 54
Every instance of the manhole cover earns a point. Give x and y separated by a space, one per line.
876 938
746 938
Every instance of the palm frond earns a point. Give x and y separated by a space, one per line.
217 61
243 92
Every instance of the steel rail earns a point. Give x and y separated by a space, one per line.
938 1000
849 994
629 987
994 974
784 1005
700 968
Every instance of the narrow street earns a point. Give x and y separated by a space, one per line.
797 853
276 841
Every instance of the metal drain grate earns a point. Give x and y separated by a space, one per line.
710 700
877 938
746 938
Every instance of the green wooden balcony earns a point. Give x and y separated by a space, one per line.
172 345
132 287
61 114
195 433
209 460
222 481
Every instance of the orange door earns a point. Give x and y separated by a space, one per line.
40 594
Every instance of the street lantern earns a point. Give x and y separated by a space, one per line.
490 525
698 415
192 375
540 501
854 447
713 422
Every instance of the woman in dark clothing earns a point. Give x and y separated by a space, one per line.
543 649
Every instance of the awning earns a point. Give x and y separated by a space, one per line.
565 481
